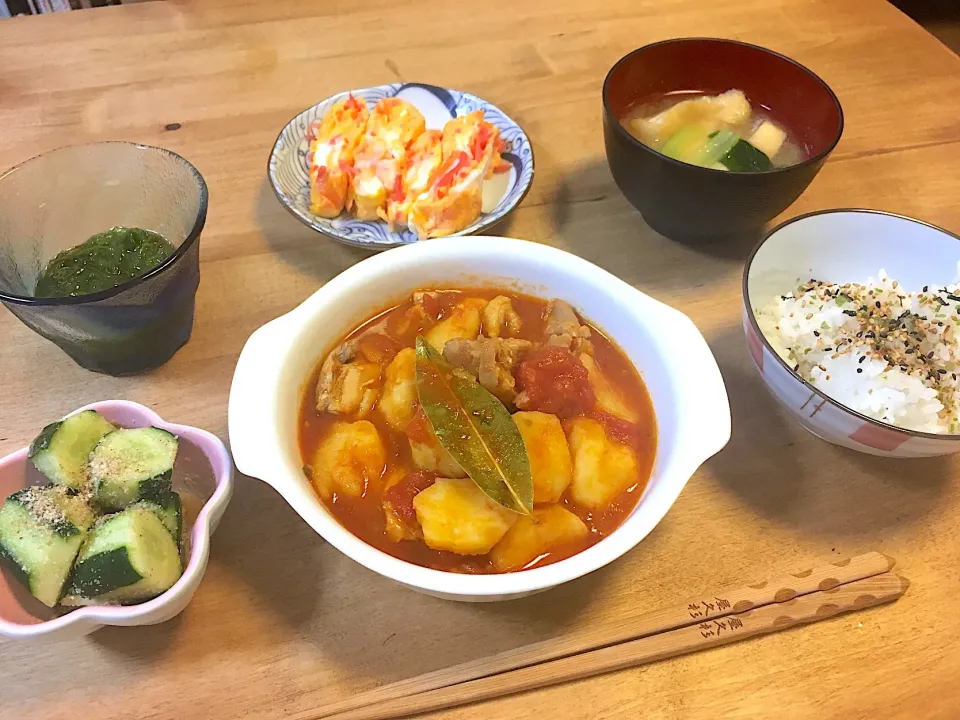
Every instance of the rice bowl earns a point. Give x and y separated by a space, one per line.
839 247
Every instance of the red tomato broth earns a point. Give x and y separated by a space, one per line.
364 516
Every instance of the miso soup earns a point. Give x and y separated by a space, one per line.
722 132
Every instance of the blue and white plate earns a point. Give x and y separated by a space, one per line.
288 163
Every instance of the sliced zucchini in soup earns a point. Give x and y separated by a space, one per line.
131 465
128 557
41 531
62 449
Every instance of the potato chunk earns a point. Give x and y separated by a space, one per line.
609 398
463 322
428 454
602 468
399 396
550 527
456 516
349 458
549 455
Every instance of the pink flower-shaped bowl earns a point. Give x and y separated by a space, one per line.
203 475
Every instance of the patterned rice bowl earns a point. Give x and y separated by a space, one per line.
287 167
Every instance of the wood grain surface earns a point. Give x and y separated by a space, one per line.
283 622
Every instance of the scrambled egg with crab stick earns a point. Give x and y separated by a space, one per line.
471 152
333 142
380 159
424 165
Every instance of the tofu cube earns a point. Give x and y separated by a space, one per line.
550 528
602 467
349 459
549 454
455 515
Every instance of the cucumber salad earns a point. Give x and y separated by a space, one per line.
108 528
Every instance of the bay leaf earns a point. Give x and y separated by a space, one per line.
476 429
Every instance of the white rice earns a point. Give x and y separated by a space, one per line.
889 354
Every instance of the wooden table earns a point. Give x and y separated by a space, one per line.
283 621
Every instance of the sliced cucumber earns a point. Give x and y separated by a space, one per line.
744 157
131 465
169 508
62 449
41 531
128 557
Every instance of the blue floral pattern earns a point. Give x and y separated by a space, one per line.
289 177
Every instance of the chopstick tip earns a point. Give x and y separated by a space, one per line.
904 584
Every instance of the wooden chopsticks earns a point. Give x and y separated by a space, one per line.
703 622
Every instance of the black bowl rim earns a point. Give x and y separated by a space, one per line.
813 160
117 289
748 308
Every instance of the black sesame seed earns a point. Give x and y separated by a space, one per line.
816 333
827 349
930 354
926 288
862 358
942 371
878 303
859 370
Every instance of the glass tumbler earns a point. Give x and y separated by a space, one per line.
58 200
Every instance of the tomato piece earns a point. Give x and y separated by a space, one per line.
556 382
624 432
401 495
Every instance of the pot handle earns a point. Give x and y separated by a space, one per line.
252 415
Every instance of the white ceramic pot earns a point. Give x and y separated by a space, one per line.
677 366
844 246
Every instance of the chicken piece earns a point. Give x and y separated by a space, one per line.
563 328
549 455
398 401
346 386
602 467
550 528
500 319
608 397
456 516
428 454
463 322
348 460
491 360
